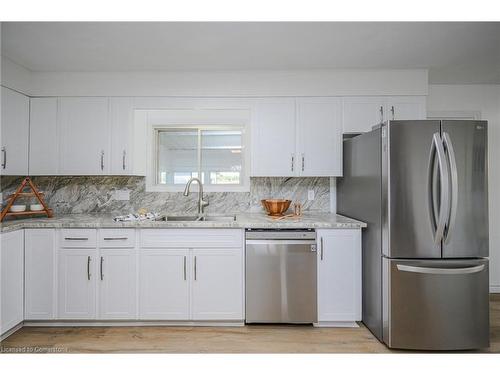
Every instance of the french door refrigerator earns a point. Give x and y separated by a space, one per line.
421 186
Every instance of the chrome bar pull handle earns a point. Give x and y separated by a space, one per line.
321 253
102 276
393 114
444 204
448 147
4 154
303 162
184 268
123 160
88 268
440 271
102 160
293 163
115 238
76 238
381 114
195 268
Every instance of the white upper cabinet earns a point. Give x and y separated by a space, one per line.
319 141
361 113
122 128
297 137
14 133
84 141
44 148
273 140
290 137
406 108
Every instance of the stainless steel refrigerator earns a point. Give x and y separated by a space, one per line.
422 187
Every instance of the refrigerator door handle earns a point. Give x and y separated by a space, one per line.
440 271
448 145
444 204
431 182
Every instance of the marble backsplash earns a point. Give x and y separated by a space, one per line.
94 194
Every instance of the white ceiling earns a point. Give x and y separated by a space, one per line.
453 52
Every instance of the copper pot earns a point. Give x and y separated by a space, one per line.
276 207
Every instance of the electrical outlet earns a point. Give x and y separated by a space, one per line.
310 195
121 195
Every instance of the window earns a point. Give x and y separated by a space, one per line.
212 153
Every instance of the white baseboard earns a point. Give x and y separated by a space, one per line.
11 331
336 324
130 323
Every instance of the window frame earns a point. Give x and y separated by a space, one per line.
200 120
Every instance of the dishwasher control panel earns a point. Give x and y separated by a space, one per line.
280 234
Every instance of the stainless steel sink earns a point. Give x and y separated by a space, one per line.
225 218
219 218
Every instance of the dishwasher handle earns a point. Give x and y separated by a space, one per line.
282 242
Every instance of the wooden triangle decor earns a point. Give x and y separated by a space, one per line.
27 183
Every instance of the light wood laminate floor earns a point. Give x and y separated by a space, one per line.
248 339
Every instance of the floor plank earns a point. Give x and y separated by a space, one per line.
247 339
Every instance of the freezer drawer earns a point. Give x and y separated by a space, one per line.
436 304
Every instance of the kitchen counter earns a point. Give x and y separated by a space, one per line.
245 220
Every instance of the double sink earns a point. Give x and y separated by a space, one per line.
224 218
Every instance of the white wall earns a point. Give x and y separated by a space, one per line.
233 83
15 77
484 99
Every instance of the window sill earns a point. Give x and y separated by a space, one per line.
206 188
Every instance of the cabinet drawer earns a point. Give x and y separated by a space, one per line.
190 238
79 238
117 238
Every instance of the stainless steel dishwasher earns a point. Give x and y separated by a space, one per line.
280 276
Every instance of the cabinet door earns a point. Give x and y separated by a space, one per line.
319 127
43 156
339 275
217 284
84 141
117 284
39 272
164 284
11 277
77 283
273 140
14 133
122 118
406 108
360 114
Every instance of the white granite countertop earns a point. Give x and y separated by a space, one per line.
244 220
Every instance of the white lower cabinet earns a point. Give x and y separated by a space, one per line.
11 279
117 284
166 274
339 276
191 284
217 285
77 277
164 284
39 270
191 275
